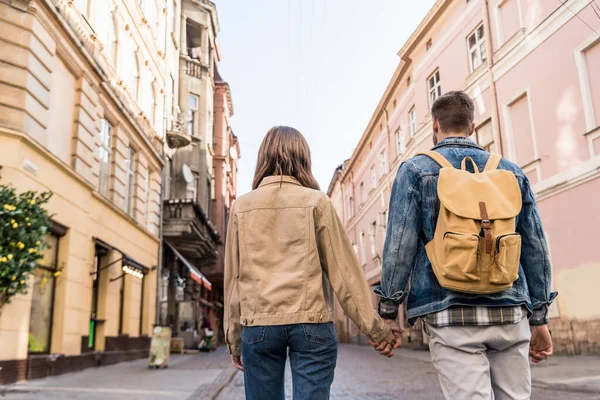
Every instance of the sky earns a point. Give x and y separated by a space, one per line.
320 66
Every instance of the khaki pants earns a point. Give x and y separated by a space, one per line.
482 362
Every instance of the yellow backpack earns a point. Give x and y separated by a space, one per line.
475 248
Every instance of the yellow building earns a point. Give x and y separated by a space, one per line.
81 86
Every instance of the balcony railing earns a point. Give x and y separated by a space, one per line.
193 68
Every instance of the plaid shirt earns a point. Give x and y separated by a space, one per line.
481 316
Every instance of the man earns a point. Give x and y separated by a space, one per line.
479 343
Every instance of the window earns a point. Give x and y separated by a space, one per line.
429 44
373 236
363 251
148 199
132 69
193 106
373 178
150 12
383 157
104 153
485 136
435 89
394 104
509 19
476 46
412 122
111 41
408 81
350 208
383 219
42 300
362 193
130 171
192 187
399 142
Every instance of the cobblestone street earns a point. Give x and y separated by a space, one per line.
363 375
360 374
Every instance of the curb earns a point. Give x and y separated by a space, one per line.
216 388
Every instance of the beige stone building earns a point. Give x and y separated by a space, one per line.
201 179
84 85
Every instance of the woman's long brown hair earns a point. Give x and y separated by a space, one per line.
284 151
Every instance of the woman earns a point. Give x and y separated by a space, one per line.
286 251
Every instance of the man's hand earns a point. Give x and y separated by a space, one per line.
396 330
392 341
540 347
387 345
236 361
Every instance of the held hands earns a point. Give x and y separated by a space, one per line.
236 361
392 341
540 347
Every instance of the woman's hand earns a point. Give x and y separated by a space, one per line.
392 340
236 361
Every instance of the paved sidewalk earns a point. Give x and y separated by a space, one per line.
197 376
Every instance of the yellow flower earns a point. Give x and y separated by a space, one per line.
13 278
37 243
57 274
12 221
2 259
15 225
21 245
10 256
31 251
29 224
22 282
32 202
27 219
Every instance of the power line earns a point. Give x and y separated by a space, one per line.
564 3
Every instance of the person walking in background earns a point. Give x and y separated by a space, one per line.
286 250
465 229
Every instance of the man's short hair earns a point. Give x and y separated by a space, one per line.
454 111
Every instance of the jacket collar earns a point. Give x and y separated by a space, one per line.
269 180
458 141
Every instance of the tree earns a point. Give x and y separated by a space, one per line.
24 223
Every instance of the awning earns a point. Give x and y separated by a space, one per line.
125 260
194 273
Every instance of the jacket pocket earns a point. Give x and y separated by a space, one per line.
461 254
320 333
253 334
508 254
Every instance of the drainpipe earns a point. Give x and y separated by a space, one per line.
490 58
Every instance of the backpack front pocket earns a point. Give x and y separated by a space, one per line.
461 254
508 253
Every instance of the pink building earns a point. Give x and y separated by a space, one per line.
528 65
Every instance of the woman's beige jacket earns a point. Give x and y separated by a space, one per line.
286 249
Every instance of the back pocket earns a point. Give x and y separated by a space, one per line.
508 254
461 253
320 333
253 334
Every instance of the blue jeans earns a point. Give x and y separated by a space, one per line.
313 355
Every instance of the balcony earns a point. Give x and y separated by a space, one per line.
187 227
193 67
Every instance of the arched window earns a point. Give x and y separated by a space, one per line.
153 105
111 40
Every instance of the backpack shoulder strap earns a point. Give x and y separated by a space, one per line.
437 157
492 162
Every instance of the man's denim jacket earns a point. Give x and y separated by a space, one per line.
414 208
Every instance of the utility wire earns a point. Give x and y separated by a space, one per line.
595 8
564 3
